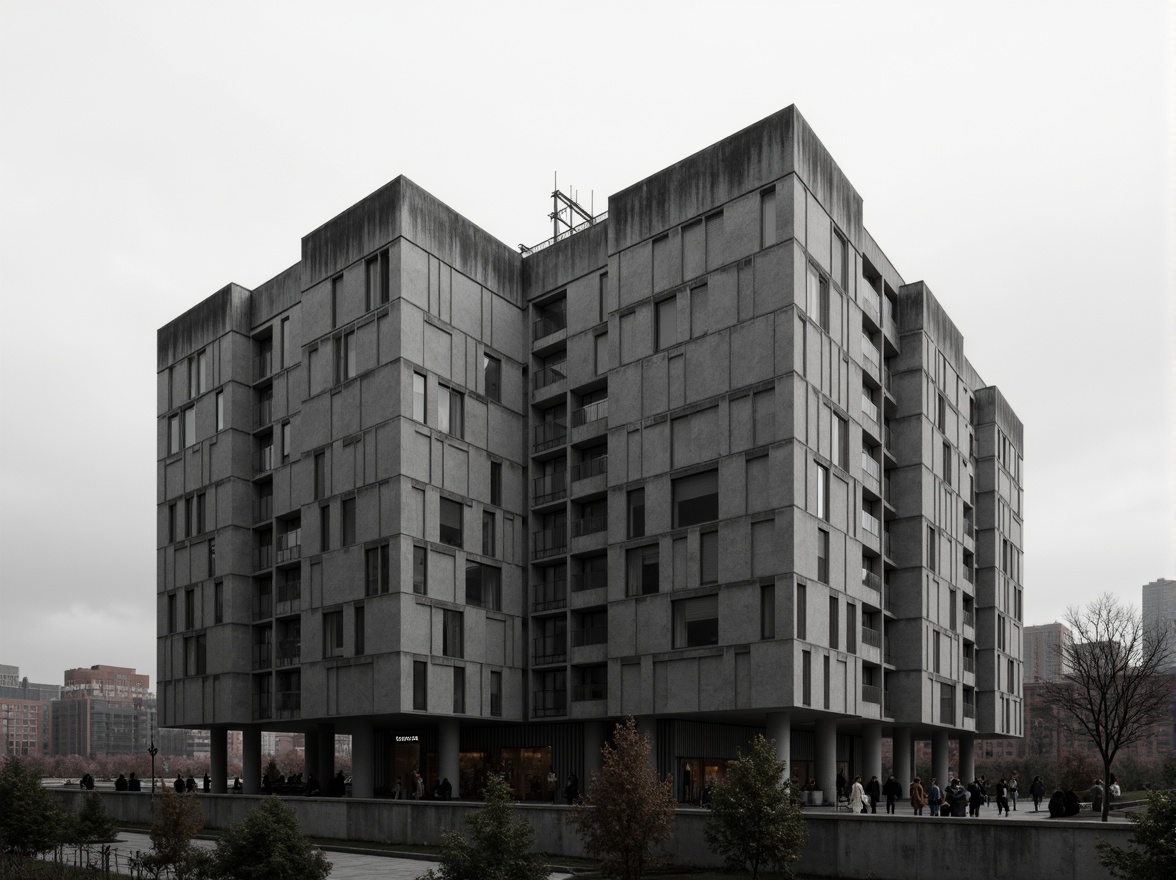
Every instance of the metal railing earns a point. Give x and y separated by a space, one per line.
870 466
583 692
263 557
548 435
549 542
526 251
264 413
548 324
589 525
289 652
871 694
545 704
871 581
970 619
593 467
870 351
549 649
869 408
290 546
589 580
871 637
590 635
263 460
289 703
549 375
871 524
263 707
549 596
263 508
590 412
970 665
262 657
263 606
551 487
263 365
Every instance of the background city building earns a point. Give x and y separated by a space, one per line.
103 710
706 459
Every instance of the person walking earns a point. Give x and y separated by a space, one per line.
1002 797
975 798
918 796
893 791
957 797
1096 796
934 796
1014 786
1037 789
874 793
857 794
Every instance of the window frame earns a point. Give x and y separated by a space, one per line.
704 515
696 622
643 570
448 533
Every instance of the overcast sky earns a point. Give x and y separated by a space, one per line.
1018 157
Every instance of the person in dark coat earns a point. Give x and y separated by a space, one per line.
133 784
1037 789
207 782
1057 805
893 791
1071 801
1002 798
975 798
179 783
572 789
840 784
874 792
191 783
957 798
120 784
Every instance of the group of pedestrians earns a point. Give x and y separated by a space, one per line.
188 785
955 799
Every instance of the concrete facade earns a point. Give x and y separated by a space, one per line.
709 461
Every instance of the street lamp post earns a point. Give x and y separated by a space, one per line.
152 751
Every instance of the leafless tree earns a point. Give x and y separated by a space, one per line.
1118 682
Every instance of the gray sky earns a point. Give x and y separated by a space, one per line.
1018 157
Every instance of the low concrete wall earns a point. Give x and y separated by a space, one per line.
840 845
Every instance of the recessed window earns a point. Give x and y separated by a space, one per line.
768 217
696 499
453 634
931 548
496 483
418 398
483 586
496 694
220 410
840 444
834 623
806 678
708 557
189 609
332 634
768 611
667 323
696 622
189 426
641 571
450 411
376 570
325 528
823 492
287 442
492 377
171 612
636 513
173 434
348 516
840 259
420 685
320 475
376 288
947 463
420 570
345 357
699 311
459 690
172 517
489 536
450 531
360 631
801 611
817 297
822 556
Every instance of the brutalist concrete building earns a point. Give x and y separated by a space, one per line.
707 460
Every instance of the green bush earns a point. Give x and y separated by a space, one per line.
1154 839
268 845
93 821
31 821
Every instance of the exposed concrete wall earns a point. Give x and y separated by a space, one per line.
840 845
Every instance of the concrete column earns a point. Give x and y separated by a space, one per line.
902 756
251 759
780 731
218 759
363 760
939 758
595 733
967 758
872 751
825 752
449 752
326 755
310 750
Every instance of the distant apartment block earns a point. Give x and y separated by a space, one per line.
707 459
1045 647
24 713
103 710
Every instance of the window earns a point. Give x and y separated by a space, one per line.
173 434
801 611
287 442
817 298
840 260
708 557
450 411
641 571
822 556
320 475
360 630
195 655
851 628
636 513
171 523
220 410
936 650
826 680
693 250
201 372
189 609
696 499
189 426
806 678
601 292
699 311
952 605
840 442
822 492
768 217
336 299
942 413
768 611
348 511
420 685
834 624
171 612
489 537
947 463
418 398
376 574
496 694
459 690
696 622
189 516
376 288
667 323
483 586
420 570
452 634
325 528
332 634
450 525
931 548
496 483
492 377
284 342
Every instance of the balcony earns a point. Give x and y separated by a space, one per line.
551 487
593 467
549 542
871 637
263 606
871 581
870 299
590 635
546 704
549 596
289 652
263 707
886 704
290 546
263 557
969 529
886 544
970 665
263 508
869 408
264 413
549 649
870 466
262 657
584 692
871 694
548 324
871 524
970 619
590 412
888 381
289 596
549 375
263 365
263 460
590 525
969 576
589 580
289 704
870 352
969 711
549 435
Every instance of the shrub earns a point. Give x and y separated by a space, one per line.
31 821
499 848
93 821
268 845
1154 839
